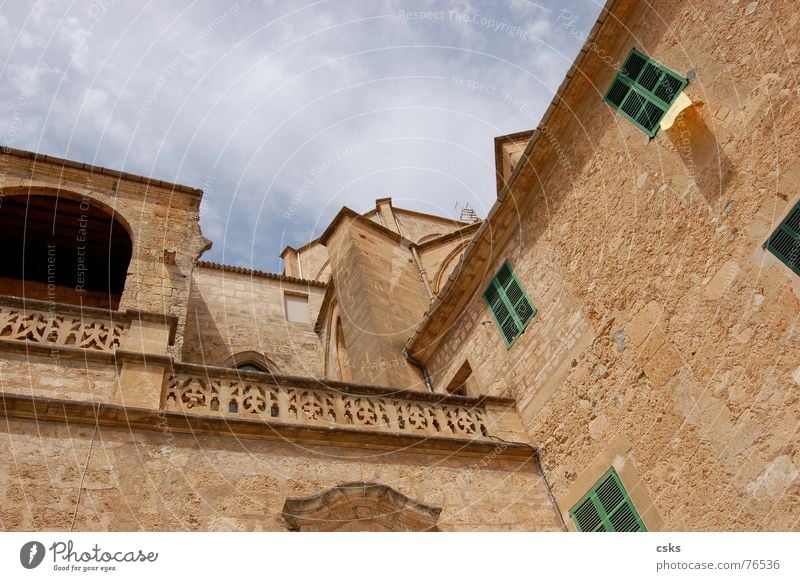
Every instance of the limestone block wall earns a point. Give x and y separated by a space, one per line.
56 376
380 299
416 226
162 220
666 342
144 480
232 312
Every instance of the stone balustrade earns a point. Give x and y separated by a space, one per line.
193 389
61 325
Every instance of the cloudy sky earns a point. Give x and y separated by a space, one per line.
282 112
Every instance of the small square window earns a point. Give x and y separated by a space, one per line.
296 308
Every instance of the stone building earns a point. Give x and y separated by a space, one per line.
614 347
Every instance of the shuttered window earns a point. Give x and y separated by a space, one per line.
607 508
785 241
509 304
643 91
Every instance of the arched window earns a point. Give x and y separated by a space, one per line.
250 367
251 361
62 250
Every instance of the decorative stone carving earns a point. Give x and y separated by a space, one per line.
198 393
60 329
359 506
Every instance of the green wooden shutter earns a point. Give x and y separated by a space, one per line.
643 91
510 306
785 241
606 508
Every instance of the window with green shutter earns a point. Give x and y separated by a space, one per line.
606 508
643 91
785 241
509 304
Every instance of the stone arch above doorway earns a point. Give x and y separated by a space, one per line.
359 506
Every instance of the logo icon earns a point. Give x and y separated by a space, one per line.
31 554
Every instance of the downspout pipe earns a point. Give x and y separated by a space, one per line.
422 273
421 366
538 452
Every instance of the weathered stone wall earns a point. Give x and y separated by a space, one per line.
144 480
162 221
231 312
381 298
54 375
415 226
666 342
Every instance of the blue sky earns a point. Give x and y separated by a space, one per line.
285 111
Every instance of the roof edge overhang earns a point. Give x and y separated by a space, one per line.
457 291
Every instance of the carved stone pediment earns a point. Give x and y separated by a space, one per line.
359 506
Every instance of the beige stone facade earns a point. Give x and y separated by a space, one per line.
368 387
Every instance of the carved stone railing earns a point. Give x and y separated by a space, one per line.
60 324
291 400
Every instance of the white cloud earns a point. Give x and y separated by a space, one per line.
250 100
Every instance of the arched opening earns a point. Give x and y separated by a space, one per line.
342 359
448 265
251 361
63 251
324 273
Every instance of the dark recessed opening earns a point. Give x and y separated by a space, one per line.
62 250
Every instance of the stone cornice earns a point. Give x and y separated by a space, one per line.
42 409
96 169
346 213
